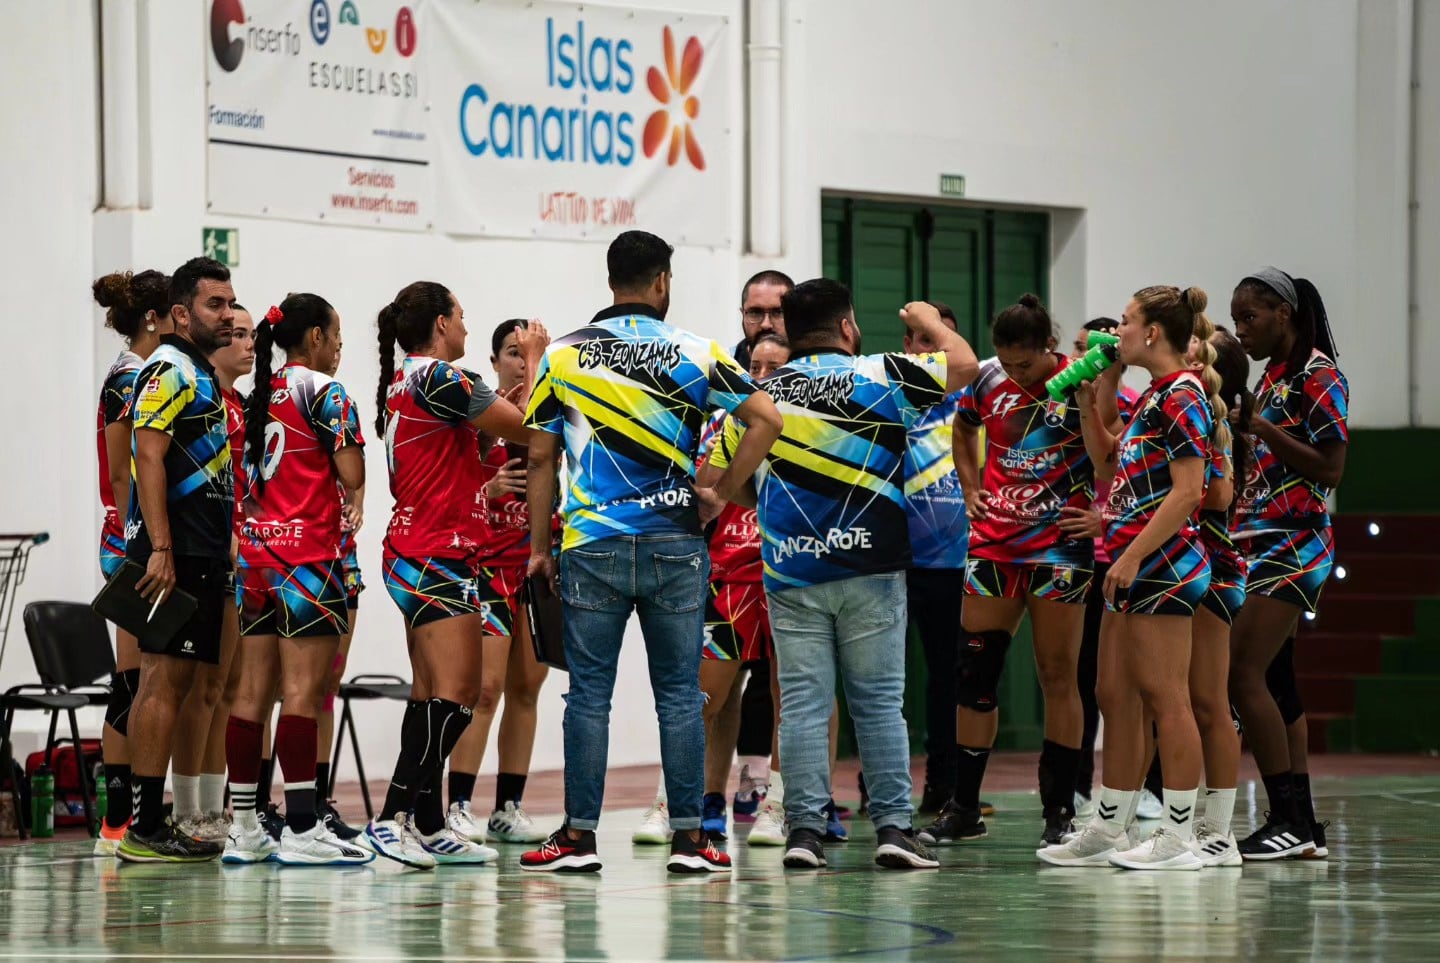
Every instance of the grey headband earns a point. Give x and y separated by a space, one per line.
1279 282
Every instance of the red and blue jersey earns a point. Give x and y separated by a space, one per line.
235 426
735 535
1310 406
507 518
1215 522
292 516
117 393
1172 420
1035 465
433 453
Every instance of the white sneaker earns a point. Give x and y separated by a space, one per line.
248 845
1092 846
654 828
770 828
463 823
1149 807
394 839
1163 850
318 846
217 824
514 825
450 848
1084 808
1216 850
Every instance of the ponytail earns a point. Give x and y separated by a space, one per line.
1205 354
1232 366
386 325
1312 328
284 326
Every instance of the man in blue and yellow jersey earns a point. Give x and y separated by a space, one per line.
629 395
182 506
836 548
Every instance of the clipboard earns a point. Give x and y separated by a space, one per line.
542 608
121 603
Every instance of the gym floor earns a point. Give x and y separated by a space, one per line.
1374 897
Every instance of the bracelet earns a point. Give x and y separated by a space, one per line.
165 549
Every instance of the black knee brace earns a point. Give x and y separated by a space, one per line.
122 696
977 669
1280 680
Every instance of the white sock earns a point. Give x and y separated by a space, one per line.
1114 807
776 793
242 799
756 769
1134 805
212 792
186 790
1219 807
660 796
1180 812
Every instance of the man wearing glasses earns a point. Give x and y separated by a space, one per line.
760 310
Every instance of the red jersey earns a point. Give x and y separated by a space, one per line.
116 394
1035 465
434 457
235 428
1172 420
292 516
735 535
506 543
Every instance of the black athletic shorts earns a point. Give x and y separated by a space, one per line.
212 582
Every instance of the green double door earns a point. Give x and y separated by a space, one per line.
977 261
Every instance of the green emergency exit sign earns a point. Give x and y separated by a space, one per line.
952 185
222 244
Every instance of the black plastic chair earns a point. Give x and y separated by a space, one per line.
363 688
71 648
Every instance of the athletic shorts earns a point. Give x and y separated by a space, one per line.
1066 582
430 589
354 584
110 558
737 622
1290 566
499 598
295 603
1226 593
212 582
1171 581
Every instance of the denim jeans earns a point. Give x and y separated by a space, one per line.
664 579
857 624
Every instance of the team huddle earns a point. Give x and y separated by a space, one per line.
796 506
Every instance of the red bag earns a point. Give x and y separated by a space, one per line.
64 762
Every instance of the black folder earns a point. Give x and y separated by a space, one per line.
542 607
121 603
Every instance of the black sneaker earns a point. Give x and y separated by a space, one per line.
899 849
1277 839
953 825
272 821
168 845
328 815
804 850
696 855
1059 824
561 854
933 799
1317 834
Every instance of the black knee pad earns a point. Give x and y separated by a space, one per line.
977 669
122 695
1280 680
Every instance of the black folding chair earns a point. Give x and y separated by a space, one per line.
71 648
362 688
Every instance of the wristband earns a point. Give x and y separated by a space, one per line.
165 549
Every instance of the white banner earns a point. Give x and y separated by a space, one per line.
577 121
317 112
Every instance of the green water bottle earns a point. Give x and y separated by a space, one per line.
1097 339
42 803
102 795
1084 368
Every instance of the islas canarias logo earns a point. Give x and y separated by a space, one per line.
592 81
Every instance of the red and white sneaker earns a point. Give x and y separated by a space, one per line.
561 854
109 838
696 855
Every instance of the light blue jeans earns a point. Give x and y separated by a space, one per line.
664 578
857 624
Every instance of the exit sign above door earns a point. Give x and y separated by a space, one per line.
952 185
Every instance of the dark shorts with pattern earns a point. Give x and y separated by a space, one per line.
1226 593
430 589
1290 566
1066 581
1171 581
295 603
354 584
499 598
737 623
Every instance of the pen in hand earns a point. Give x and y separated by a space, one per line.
158 599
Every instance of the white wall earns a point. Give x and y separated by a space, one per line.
1180 142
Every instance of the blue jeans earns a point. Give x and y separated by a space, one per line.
664 579
858 624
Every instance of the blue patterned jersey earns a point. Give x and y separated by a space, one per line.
1172 420
630 394
934 504
832 495
177 393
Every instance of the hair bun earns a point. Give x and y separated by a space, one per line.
1195 298
113 291
1029 301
